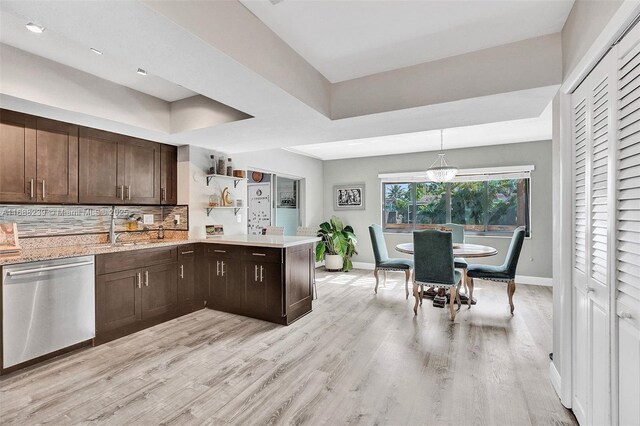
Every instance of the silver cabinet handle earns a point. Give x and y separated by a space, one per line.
139 280
258 254
625 315
31 188
47 268
223 269
255 268
121 192
217 268
220 251
163 194
146 278
186 252
261 271
44 193
128 188
181 271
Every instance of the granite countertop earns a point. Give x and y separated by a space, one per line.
49 253
274 241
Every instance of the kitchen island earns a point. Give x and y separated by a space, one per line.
259 276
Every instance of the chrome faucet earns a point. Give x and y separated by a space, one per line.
112 228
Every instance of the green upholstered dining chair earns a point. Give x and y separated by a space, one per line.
505 272
434 265
384 262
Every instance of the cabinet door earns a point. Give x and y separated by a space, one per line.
299 272
18 157
56 162
168 174
225 283
101 167
160 290
118 300
142 172
186 275
262 284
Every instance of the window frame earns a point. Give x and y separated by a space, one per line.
413 183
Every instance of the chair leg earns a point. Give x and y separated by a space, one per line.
465 280
407 274
416 295
452 299
511 289
384 283
375 274
421 293
470 294
458 296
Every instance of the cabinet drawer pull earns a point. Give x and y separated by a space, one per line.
44 193
220 251
31 188
146 278
181 271
139 280
625 315
186 252
261 276
259 254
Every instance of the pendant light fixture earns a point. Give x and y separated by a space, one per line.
440 171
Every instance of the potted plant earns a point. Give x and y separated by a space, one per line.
337 246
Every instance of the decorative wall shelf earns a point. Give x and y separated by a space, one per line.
235 209
225 177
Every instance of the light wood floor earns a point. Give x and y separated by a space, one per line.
358 358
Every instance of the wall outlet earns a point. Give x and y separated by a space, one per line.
176 219
239 218
147 219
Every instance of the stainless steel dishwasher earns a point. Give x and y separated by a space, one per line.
46 306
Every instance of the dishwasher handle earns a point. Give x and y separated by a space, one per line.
48 268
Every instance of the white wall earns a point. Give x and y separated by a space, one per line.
192 188
535 259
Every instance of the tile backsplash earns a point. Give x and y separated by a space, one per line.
49 220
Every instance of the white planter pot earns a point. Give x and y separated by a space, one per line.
333 262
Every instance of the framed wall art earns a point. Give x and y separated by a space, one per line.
348 197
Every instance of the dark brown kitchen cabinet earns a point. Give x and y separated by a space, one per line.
101 167
56 162
116 169
39 161
224 275
186 279
262 289
168 174
118 300
160 290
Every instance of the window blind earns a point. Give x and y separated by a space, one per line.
599 198
580 200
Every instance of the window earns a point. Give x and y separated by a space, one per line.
484 207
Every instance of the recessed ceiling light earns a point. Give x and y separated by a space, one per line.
141 71
35 28
95 51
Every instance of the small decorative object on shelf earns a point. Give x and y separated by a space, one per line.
239 203
214 200
227 199
214 230
229 167
239 174
221 165
213 167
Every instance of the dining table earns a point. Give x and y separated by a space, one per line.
459 250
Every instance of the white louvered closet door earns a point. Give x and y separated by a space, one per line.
592 123
627 238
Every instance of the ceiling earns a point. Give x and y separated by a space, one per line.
109 66
531 129
350 39
219 49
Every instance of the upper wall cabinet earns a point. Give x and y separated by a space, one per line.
39 161
116 169
168 174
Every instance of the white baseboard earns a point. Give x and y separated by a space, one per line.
525 279
554 376
520 279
